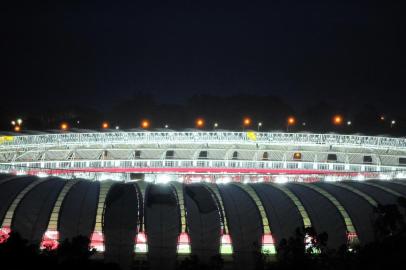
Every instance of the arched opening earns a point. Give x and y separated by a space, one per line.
170 154
203 155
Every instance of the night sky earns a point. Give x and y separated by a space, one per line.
95 53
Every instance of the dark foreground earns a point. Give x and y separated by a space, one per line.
388 251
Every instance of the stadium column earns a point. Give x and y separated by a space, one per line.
400 182
5 227
268 243
97 237
303 213
183 247
352 237
302 210
50 239
141 243
388 190
8 179
368 198
226 247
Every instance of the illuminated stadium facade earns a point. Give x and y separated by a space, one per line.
163 196
197 155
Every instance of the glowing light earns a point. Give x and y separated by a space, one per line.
349 123
359 177
216 125
145 124
13 123
297 156
117 127
17 128
352 239
4 139
247 121
385 177
199 122
50 240
309 242
4 234
251 135
64 126
224 179
163 179
382 118
291 121
42 174
141 244
19 121
166 126
183 244
338 120
280 179
268 244
226 247
105 125
331 178
97 241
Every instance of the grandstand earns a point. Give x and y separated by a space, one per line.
248 156
163 196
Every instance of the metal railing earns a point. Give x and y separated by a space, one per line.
250 137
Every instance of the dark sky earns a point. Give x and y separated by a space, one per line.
78 52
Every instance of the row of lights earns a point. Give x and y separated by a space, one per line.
337 120
17 124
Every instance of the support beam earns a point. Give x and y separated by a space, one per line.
141 241
97 237
184 246
352 236
6 223
50 239
268 243
226 247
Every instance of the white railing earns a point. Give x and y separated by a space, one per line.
112 138
209 164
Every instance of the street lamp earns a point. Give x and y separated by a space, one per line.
199 123
259 125
166 126
215 125
17 124
145 124
246 122
64 126
338 120
105 125
291 121
392 123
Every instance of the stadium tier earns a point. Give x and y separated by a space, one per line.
195 156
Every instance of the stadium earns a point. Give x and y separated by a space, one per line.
155 198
